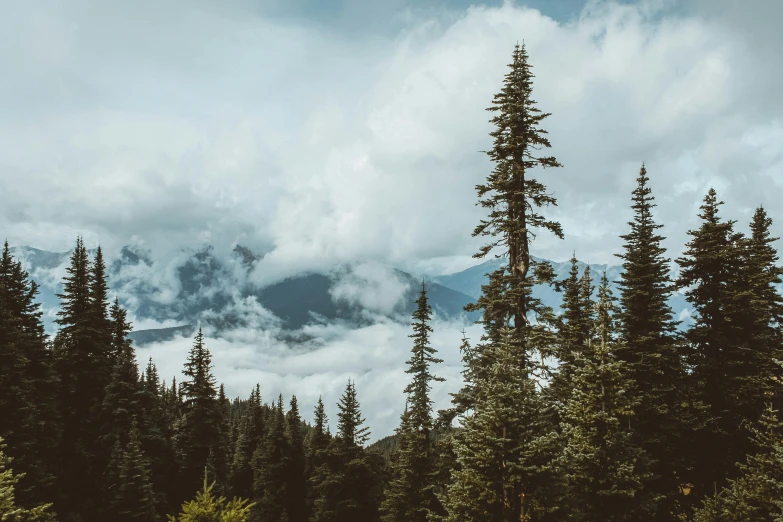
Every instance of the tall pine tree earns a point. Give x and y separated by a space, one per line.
410 496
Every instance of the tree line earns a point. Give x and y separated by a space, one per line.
602 412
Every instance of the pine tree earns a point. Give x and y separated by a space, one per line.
757 494
410 496
131 497
766 307
270 464
103 330
81 366
27 383
210 508
726 364
9 510
200 428
604 467
499 473
317 445
514 200
346 486
649 349
295 474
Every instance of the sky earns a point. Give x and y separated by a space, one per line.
323 132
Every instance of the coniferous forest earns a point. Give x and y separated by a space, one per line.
602 411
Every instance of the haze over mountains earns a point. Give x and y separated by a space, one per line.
201 287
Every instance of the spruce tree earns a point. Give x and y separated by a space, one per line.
270 464
10 511
649 349
727 366
295 473
514 200
241 479
131 497
410 495
81 366
121 401
347 486
317 444
207 507
27 383
200 426
605 468
757 494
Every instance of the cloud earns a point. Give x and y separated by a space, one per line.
374 287
374 356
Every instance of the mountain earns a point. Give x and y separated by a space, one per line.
469 282
198 286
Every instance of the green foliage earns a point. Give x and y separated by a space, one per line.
130 494
604 467
757 494
207 507
410 495
652 355
271 465
10 511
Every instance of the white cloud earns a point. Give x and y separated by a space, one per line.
374 356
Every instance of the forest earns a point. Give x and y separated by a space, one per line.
601 411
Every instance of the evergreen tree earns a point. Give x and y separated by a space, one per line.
727 366
9 510
103 330
81 366
131 497
604 467
757 494
295 475
499 473
200 427
27 383
500 429
317 444
410 496
210 508
649 349
271 464
241 480
765 309
346 486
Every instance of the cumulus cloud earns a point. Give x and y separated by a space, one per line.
374 287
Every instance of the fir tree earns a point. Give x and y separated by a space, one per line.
757 494
604 467
131 499
10 511
207 507
121 401
649 349
27 383
200 426
271 463
514 200
410 496
295 474
726 364
317 444
81 365
346 486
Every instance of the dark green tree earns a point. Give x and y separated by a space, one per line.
317 445
347 487
604 466
652 354
199 429
410 496
757 494
514 199
9 510
727 365
131 497
270 465
295 473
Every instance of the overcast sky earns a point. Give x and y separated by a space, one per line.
327 131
